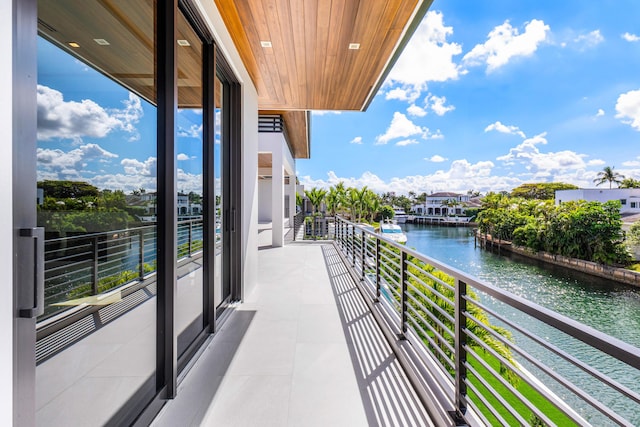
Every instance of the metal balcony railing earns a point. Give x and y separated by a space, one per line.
88 265
482 347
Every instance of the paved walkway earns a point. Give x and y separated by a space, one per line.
302 350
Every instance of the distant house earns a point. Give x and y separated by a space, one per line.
446 204
629 197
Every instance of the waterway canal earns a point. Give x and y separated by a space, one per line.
604 305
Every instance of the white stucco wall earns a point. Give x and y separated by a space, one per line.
603 195
6 216
264 200
249 120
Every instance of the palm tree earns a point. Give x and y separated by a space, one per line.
608 175
332 200
341 192
629 183
316 197
373 205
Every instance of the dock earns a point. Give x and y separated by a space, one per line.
447 221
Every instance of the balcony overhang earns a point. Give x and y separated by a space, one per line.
320 54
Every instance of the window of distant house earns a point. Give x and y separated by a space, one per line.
623 201
633 205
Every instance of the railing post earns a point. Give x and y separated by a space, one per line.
377 268
353 245
362 255
403 294
460 344
94 268
141 252
190 236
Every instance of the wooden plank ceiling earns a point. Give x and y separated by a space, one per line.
309 65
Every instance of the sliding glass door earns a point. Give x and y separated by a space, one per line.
136 173
190 164
96 188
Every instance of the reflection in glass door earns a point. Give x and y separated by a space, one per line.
190 163
224 215
96 187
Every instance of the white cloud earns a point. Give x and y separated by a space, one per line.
194 131
628 108
429 48
630 37
460 177
436 159
401 127
324 112
182 157
403 94
356 140
58 164
596 162
589 40
600 112
74 120
499 127
505 42
632 163
437 105
437 135
416 111
406 142
543 164
129 116
147 168
187 182
126 183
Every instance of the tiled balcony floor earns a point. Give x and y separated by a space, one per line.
302 350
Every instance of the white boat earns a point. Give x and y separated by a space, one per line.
399 215
392 231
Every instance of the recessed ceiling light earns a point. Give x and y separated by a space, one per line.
265 43
102 42
354 46
74 44
184 43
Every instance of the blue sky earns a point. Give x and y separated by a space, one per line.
487 95
92 129
492 94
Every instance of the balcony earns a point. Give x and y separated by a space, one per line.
303 349
362 331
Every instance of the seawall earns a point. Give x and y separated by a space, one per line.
621 275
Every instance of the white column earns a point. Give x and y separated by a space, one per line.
292 199
277 200
7 33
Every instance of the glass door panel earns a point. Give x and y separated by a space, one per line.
96 187
222 288
190 164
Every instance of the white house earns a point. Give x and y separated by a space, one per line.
442 204
629 197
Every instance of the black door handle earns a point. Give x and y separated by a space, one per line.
37 308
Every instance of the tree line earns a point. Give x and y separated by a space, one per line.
590 231
360 204
78 207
